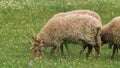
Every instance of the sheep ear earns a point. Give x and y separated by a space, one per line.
30 41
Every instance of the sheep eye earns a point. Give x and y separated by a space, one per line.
35 50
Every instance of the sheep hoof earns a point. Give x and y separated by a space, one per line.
63 57
112 57
97 58
48 58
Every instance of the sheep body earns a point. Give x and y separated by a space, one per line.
70 28
111 34
64 28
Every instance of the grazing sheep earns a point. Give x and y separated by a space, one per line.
89 12
111 34
73 28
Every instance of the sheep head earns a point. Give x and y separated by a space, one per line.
37 46
102 35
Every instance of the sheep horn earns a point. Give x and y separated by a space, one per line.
34 36
28 40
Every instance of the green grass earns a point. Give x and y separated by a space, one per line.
25 17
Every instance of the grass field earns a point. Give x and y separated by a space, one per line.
25 17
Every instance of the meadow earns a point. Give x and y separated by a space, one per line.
25 17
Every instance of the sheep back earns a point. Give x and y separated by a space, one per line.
89 12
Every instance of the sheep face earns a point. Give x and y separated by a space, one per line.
37 47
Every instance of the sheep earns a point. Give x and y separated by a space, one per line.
73 28
111 34
89 12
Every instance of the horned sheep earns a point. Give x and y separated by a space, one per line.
71 28
111 34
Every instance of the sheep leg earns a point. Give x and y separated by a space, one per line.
89 51
97 49
68 50
110 45
56 51
52 51
115 51
113 54
82 50
62 51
